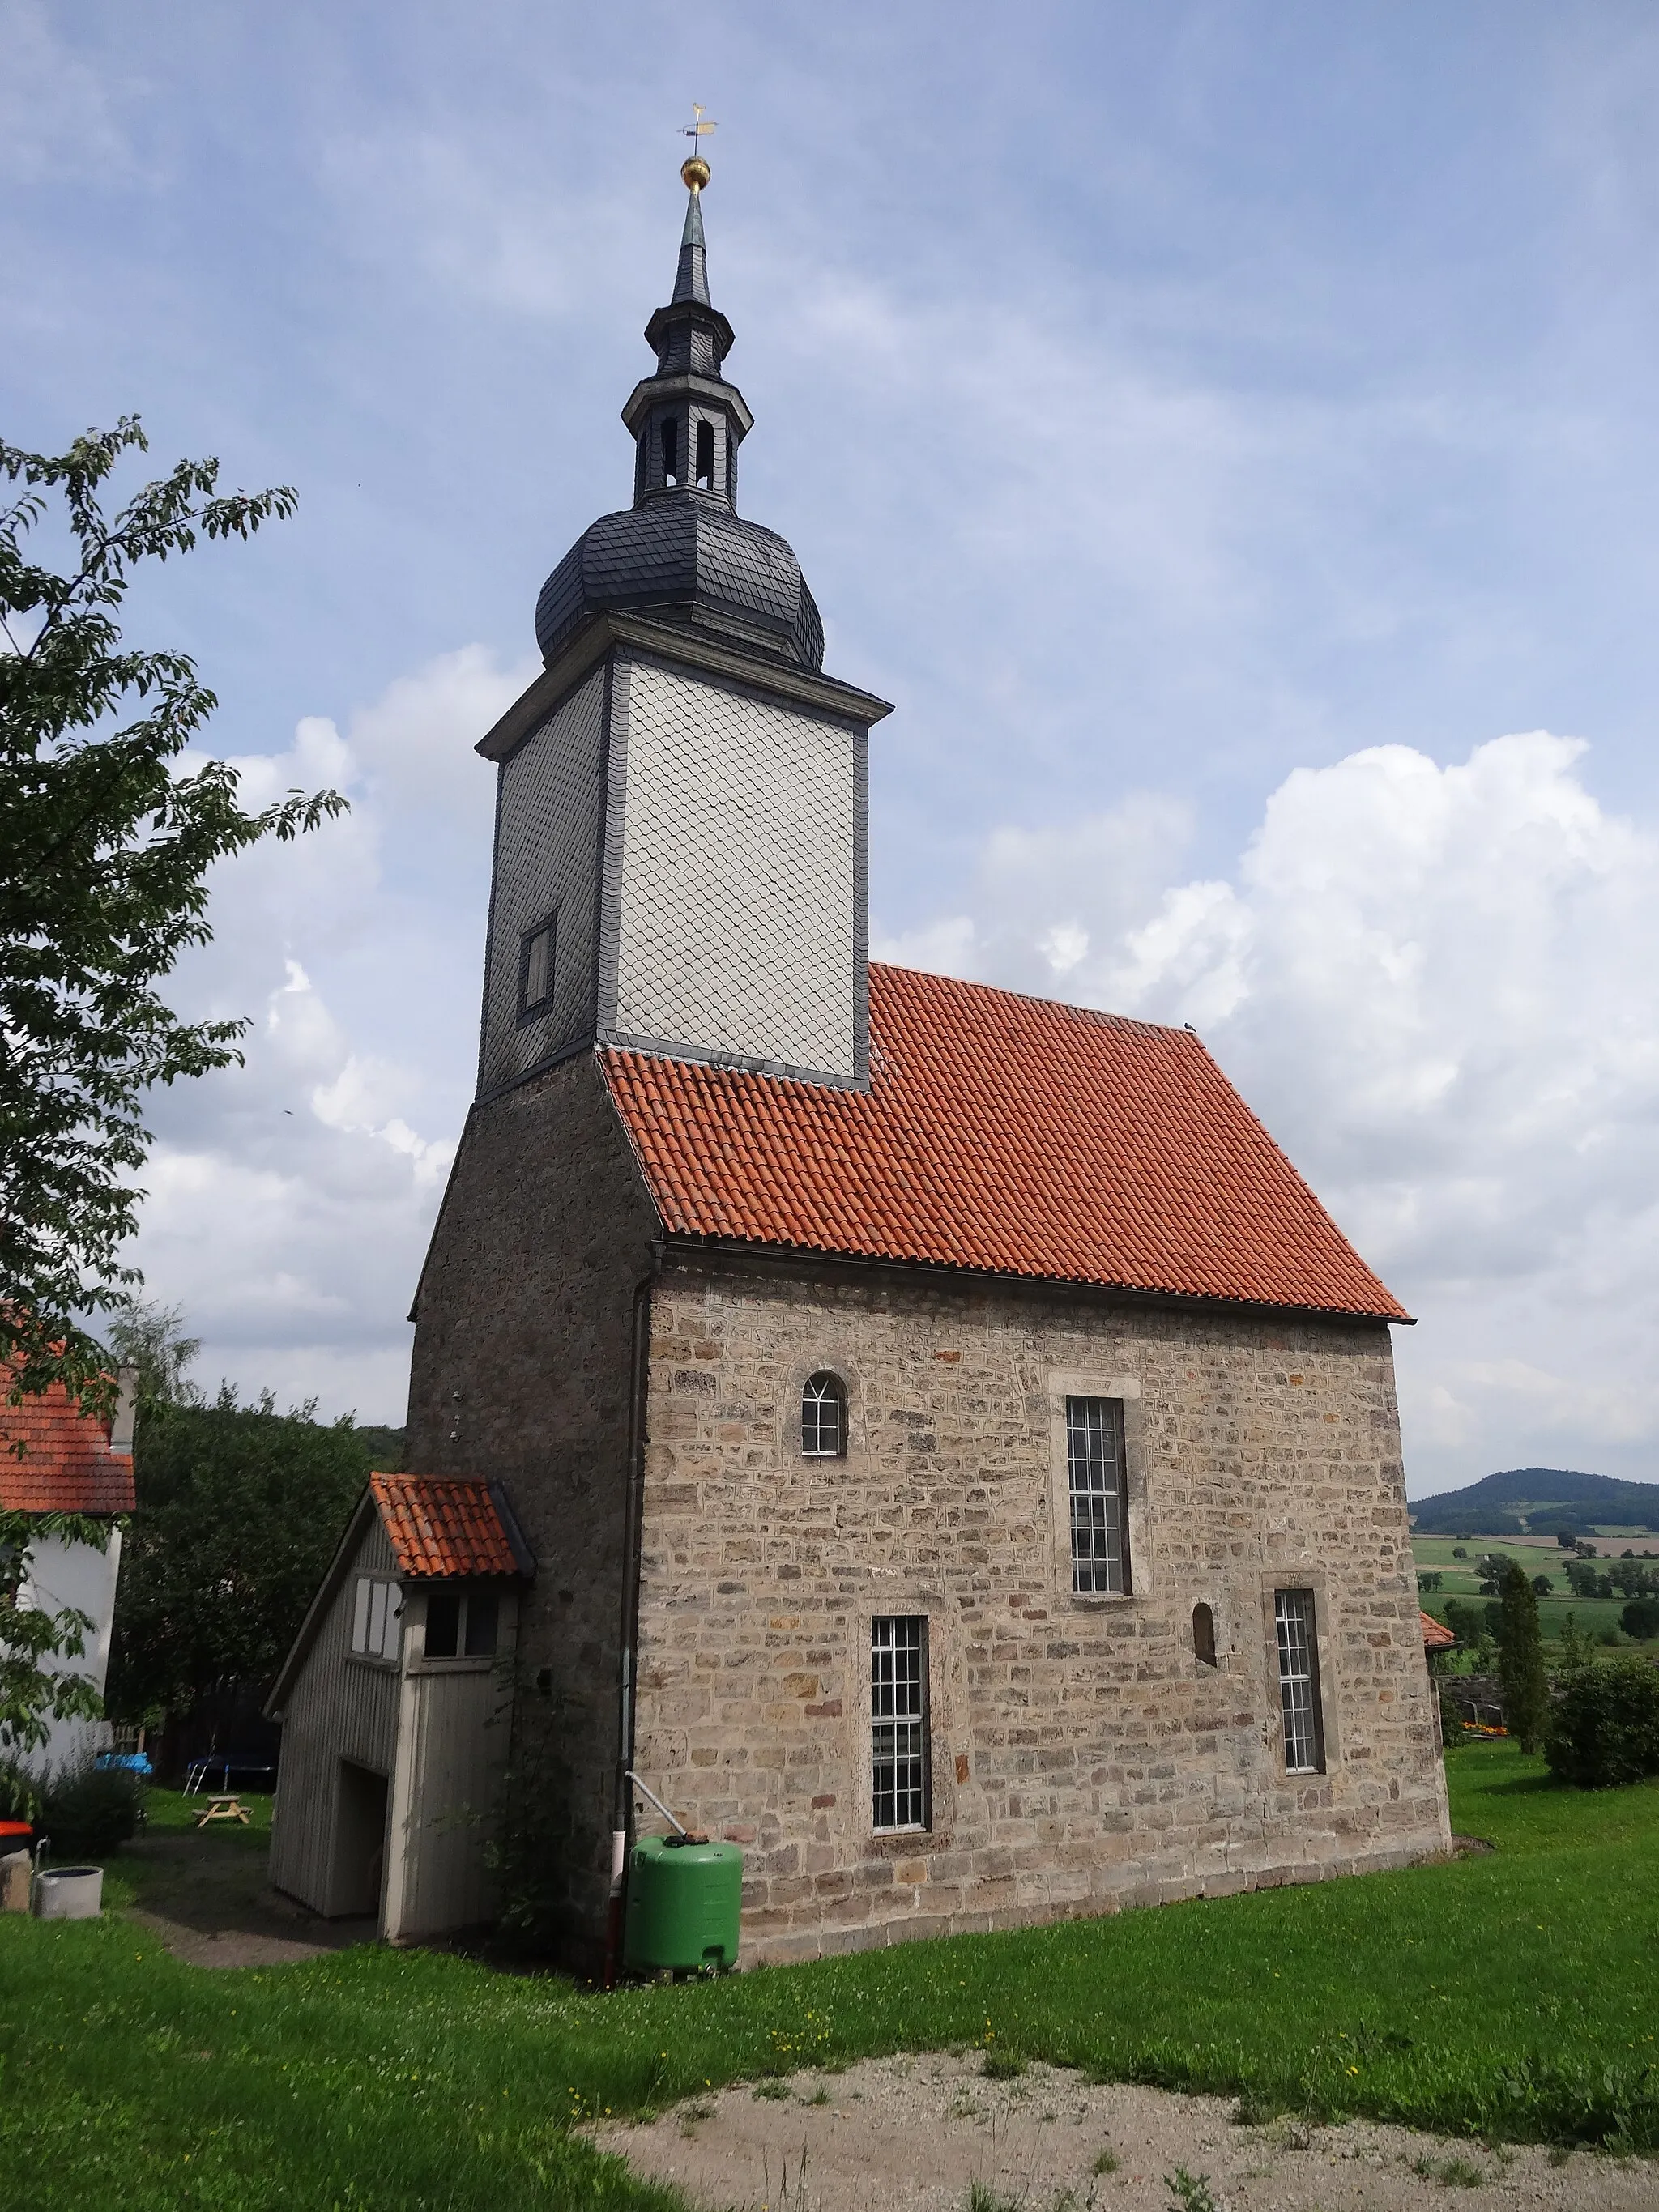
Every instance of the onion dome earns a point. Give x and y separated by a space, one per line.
682 553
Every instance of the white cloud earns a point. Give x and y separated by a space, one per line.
1440 987
290 1200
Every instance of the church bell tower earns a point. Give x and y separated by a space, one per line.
681 832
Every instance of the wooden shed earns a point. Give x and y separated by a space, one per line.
395 1702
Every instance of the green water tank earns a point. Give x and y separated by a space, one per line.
684 1902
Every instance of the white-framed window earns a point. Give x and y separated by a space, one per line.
462 1624
1296 1621
824 1417
377 1619
898 1722
1100 1522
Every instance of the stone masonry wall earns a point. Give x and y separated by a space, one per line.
521 1372
1082 1757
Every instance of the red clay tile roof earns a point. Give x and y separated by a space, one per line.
1435 1638
999 1133
440 1526
66 1465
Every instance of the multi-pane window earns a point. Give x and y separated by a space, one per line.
823 1418
535 949
1100 1531
898 1722
461 1624
377 1619
1298 1681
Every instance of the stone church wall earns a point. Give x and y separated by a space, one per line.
1081 1756
523 1349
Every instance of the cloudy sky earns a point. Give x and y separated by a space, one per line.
1228 432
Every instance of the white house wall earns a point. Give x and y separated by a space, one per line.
340 1707
60 1575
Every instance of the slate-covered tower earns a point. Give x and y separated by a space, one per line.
681 838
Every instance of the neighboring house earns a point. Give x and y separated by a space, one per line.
392 1701
1436 1637
69 1463
961 1452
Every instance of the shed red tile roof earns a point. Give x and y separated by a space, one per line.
1000 1132
440 1526
66 1465
1435 1638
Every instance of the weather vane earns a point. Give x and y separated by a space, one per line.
693 172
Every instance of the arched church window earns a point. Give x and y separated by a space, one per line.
671 450
1204 1635
824 1417
706 456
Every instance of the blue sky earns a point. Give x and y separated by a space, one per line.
1227 433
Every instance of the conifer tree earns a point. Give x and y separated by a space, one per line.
1520 1659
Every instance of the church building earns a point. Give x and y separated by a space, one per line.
950 1452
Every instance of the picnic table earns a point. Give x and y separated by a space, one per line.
224 1808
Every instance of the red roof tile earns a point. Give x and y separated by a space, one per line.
440 1526
1004 1134
66 1465
1435 1638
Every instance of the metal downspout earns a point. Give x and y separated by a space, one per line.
632 1538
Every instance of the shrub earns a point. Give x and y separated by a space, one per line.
1458 1553
88 1811
1604 1728
1640 1617
1542 1585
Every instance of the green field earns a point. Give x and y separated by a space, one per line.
1513 1994
1594 1615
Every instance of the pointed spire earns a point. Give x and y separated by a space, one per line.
691 278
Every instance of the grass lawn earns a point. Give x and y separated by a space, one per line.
1514 1995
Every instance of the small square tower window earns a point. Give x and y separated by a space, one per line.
535 949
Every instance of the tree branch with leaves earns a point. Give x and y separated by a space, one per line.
108 839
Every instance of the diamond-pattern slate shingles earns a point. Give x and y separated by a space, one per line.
1002 1133
441 1527
66 1465
737 920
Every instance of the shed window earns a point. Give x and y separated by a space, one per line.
1298 1681
461 1624
535 949
377 1619
824 1417
898 1722
1100 1535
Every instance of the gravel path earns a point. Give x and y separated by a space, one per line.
931 2134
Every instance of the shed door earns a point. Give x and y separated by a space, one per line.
359 1871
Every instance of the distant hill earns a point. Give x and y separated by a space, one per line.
1537 1501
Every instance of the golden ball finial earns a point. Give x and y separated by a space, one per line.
694 174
